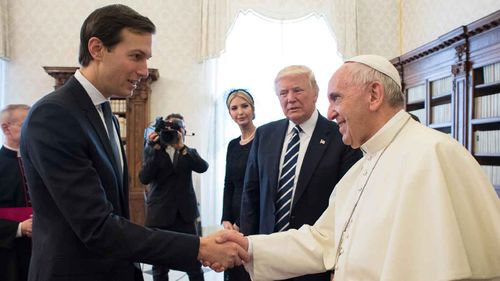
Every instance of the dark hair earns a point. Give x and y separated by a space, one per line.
175 115
106 23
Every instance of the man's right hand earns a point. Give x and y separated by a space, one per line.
153 140
153 137
26 227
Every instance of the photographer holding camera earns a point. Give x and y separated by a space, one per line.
167 166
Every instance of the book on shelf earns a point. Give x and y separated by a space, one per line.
416 94
119 105
493 173
487 142
487 106
441 113
442 86
123 127
491 73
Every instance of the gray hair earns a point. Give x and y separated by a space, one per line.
5 114
296 70
362 75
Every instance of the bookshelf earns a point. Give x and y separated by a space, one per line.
484 116
453 85
416 97
133 116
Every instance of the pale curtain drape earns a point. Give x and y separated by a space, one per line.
219 15
3 30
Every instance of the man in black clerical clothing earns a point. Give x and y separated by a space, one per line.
15 241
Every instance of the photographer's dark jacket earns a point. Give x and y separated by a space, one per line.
171 188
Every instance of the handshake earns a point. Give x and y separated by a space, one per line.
223 249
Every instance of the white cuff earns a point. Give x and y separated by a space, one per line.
249 265
19 233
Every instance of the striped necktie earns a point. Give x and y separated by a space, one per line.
286 183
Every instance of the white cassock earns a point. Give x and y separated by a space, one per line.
426 211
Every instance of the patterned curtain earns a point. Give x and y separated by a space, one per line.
219 15
3 30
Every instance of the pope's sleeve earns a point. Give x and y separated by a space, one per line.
307 250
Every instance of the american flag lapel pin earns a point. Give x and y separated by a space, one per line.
322 141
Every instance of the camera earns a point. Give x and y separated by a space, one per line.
167 130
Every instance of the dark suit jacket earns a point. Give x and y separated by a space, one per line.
81 229
172 189
326 160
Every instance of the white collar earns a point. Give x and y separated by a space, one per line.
13 149
384 136
307 126
94 94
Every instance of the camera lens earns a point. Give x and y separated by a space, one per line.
168 136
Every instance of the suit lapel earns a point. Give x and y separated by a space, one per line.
317 145
90 111
93 116
276 140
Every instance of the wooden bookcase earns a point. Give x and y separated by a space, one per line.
453 85
134 111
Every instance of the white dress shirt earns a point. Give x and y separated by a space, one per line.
304 137
97 99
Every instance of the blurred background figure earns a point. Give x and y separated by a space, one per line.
15 242
167 166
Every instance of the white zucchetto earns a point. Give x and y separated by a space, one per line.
380 64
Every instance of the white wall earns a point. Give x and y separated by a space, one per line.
378 27
425 20
46 33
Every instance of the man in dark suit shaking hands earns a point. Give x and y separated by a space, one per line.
294 163
77 173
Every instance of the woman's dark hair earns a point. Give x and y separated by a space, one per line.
106 23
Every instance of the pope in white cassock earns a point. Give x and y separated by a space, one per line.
417 206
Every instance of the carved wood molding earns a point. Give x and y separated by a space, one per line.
60 73
462 33
462 65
